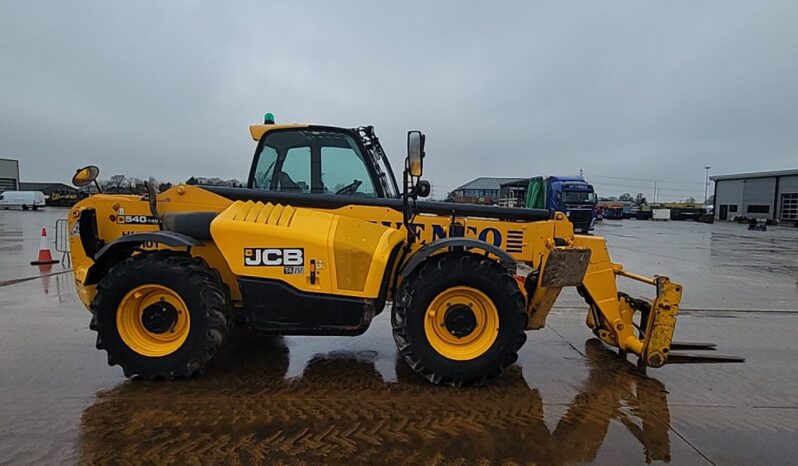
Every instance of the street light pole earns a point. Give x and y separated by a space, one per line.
706 184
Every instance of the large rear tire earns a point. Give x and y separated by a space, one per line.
459 319
160 315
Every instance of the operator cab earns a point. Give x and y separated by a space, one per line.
321 160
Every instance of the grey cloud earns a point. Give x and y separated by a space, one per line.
647 90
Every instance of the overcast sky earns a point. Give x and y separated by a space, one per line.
631 92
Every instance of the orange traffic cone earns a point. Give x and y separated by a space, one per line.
45 256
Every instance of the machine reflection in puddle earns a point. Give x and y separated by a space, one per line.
340 409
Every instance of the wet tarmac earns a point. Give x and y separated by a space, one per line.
722 265
20 238
568 400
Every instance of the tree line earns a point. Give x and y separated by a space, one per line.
123 184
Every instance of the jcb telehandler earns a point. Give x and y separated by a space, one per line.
319 241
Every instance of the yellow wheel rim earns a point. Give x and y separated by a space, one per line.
461 323
153 320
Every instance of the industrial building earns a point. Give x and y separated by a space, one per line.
58 194
764 195
9 175
48 188
482 190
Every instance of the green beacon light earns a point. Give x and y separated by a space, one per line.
268 119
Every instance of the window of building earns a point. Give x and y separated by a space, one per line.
733 208
758 209
789 206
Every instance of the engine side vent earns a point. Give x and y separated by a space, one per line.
515 241
258 212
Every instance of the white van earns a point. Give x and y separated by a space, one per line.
25 199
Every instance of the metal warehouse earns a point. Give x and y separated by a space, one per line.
482 190
770 195
9 175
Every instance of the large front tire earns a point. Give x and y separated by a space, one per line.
160 315
459 319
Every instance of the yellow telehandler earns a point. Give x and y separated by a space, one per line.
319 241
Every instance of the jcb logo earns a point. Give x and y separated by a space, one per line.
256 257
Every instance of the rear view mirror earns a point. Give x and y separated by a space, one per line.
415 153
85 176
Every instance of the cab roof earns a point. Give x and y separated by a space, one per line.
257 131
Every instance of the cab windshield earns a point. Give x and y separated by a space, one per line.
578 197
312 161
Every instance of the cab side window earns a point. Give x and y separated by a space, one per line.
294 176
285 171
344 172
265 169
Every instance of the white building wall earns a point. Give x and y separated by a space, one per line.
9 175
759 192
729 193
788 184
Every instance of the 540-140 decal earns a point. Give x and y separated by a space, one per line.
137 220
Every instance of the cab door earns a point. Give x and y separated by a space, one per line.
313 161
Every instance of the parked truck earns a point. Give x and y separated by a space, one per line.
572 195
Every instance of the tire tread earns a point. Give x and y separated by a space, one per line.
199 276
455 263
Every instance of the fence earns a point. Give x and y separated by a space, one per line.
62 241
